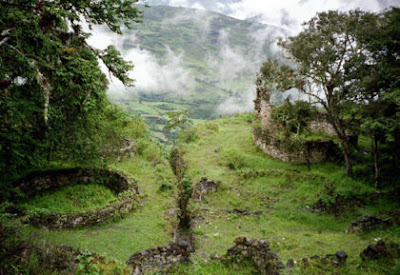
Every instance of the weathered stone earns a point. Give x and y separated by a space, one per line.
381 250
258 252
315 257
315 151
36 182
342 257
116 181
290 263
369 223
183 243
204 187
161 257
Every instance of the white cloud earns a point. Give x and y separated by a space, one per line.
239 104
288 14
152 77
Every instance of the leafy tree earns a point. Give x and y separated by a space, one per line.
178 119
52 91
322 52
376 83
342 60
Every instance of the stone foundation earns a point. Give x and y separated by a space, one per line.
112 211
256 251
159 258
123 186
37 182
381 250
314 151
369 223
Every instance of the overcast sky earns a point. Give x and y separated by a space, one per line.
288 14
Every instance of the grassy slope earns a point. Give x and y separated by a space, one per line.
140 230
283 194
71 199
293 231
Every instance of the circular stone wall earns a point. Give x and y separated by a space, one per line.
124 187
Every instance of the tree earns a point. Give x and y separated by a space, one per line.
52 91
376 83
323 53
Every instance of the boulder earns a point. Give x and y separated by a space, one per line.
204 187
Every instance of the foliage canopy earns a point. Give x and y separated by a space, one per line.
52 91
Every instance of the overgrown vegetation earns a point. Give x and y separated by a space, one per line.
53 93
55 113
287 196
347 63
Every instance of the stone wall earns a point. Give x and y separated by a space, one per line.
159 258
313 152
320 125
126 188
112 211
37 182
256 251
263 107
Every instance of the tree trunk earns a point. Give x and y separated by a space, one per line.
347 156
340 130
376 164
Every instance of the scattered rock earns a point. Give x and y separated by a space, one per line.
290 263
338 206
321 263
369 223
204 187
341 256
381 250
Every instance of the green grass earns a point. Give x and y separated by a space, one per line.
214 268
150 226
285 194
74 198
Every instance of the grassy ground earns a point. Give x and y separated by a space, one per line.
250 180
72 198
284 193
139 230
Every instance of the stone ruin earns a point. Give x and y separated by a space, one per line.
126 188
257 252
381 250
36 182
321 263
204 187
369 223
127 149
160 258
314 151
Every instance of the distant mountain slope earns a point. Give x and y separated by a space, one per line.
194 59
